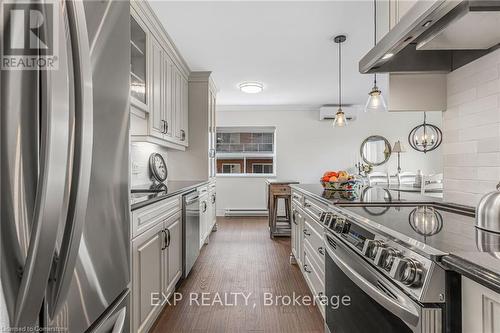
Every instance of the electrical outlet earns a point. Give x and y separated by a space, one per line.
135 168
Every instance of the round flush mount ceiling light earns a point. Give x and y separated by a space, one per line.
251 87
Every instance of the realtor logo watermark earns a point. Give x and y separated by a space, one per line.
30 35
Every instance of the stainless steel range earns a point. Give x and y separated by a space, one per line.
386 259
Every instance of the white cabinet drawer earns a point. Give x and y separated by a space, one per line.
147 217
316 258
297 199
315 240
313 208
316 226
314 282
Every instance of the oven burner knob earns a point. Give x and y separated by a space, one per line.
385 257
339 224
371 248
408 271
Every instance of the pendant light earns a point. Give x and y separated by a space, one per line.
375 101
425 137
340 119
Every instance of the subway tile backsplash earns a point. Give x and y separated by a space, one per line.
139 159
471 125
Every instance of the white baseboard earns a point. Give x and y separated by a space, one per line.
244 212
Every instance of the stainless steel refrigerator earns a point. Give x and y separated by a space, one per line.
64 173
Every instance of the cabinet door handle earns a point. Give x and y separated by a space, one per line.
306 232
168 237
294 217
166 127
321 250
307 205
164 240
183 135
306 269
204 206
213 198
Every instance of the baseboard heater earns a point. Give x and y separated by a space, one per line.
245 212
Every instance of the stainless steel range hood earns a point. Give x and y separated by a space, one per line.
437 36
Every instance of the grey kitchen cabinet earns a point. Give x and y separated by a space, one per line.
200 162
212 215
139 62
168 96
156 112
203 218
480 308
177 102
397 9
307 244
296 239
156 259
185 113
162 116
147 263
172 253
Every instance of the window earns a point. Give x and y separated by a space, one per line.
262 168
245 151
231 168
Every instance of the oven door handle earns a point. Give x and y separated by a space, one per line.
403 307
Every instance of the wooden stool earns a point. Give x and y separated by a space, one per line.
279 189
281 224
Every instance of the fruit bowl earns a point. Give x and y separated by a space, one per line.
339 181
349 185
340 195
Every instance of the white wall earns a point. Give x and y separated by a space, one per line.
471 146
306 147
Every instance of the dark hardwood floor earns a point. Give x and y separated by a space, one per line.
241 258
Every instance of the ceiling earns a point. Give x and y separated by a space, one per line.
285 45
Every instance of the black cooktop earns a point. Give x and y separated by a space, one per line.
443 227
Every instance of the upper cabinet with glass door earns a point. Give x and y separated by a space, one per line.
138 66
159 82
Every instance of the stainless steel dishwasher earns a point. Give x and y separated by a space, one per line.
191 231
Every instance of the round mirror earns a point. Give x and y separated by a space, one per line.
375 150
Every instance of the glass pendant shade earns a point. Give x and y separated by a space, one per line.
340 119
375 101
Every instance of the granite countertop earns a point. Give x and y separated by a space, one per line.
482 267
367 195
470 251
140 200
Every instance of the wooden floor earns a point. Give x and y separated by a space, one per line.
242 258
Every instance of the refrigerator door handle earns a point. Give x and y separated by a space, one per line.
120 321
48 207
82 164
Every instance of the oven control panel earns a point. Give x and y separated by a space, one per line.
408 269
